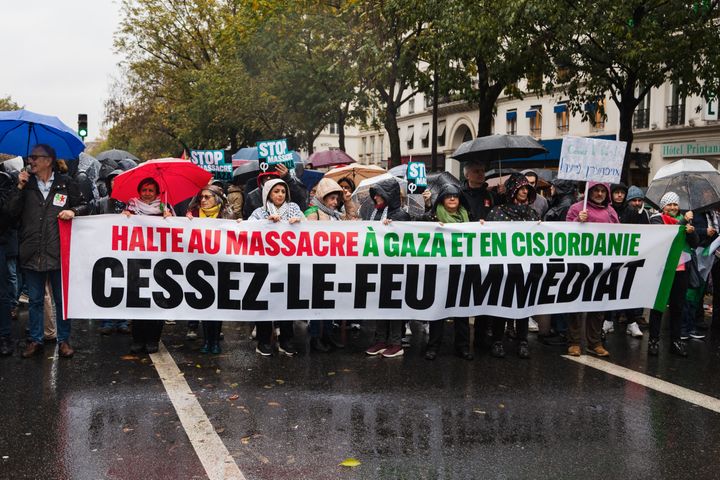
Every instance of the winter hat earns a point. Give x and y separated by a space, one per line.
669 197
633 193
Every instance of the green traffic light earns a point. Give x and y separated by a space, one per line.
82 133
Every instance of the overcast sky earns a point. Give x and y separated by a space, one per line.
58 58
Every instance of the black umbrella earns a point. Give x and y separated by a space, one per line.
246 171
494 173
126 164
696 182
498 147
435 182
116 155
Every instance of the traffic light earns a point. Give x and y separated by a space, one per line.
82 125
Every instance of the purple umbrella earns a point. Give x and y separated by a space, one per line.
330 158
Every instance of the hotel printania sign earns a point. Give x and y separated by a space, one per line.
691 149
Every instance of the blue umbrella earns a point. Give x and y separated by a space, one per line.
21 129
311 178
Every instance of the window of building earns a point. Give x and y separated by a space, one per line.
363 146
371 151
410 138
411 106
511 122
428 101
535 117
641 118
333 128
425 135
441 133
562 118
675 112
599 116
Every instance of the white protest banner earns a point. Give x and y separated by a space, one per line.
212 161
590 159
146 267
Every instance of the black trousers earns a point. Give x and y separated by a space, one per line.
147 331
211 332
265 329
676 303
498 328
462 333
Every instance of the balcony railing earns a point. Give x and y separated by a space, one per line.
562 129
641 119
536 132
675 115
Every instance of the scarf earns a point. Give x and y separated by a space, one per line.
444 216
273 210
211 212
138 207
334 214
382 217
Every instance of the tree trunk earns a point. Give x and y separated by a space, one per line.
391 127
487 97
625 134
433 138
310 139
341 129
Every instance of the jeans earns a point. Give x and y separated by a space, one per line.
14 276
316 331
388 331
5 295
676 302
113 323
36 291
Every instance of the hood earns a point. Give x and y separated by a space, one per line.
514 183
634 192
564 187
327 186
448 189
269 186
618 186
389 190
90 165
108 179
607 191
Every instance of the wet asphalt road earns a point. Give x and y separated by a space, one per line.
105 414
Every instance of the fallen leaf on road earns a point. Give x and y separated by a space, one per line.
279 381
217 371
273 404
267 386
330 374
502 405
232 398
350 462
233 385
245 440
197 365
129 357
127 429
481 412
220 430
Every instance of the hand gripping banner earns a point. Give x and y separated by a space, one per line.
204 269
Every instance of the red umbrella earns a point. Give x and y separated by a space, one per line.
330 158
178 179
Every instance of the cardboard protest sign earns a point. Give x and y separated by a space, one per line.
590 159
213 161
146 267
274 152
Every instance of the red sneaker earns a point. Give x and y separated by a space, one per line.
393 351
376 349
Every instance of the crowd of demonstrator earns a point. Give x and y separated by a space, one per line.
31 203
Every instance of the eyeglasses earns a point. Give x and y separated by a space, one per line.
452 196
35 157
206 197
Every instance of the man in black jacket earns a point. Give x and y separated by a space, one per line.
475 192
6 344
39 200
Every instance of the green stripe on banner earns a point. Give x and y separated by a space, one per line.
671 264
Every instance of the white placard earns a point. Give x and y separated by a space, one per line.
585 159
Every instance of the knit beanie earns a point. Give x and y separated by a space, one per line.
669 197
634 192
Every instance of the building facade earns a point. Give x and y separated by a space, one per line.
666 127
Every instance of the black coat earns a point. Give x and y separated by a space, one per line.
6 186
565 196
39 235
478 201
389 190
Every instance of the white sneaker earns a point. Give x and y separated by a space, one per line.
532 325
634 330
170 322
355 326
426 328
608 326
277 332
408 332
191 335
253 334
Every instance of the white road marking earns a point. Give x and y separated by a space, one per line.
696 398
215 457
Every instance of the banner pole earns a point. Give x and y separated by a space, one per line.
586 195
